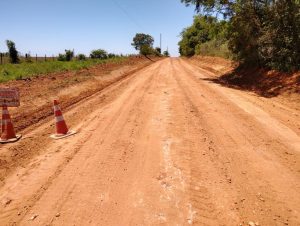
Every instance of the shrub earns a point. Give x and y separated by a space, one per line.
214 48
99 54
166 53
146 50
81 57
61 57
68 56
13 53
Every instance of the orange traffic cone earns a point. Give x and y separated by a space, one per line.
62 130
7 129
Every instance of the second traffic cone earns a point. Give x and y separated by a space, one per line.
62 130
8 134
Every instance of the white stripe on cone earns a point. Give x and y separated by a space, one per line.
59 118
5 112
5 121
56 108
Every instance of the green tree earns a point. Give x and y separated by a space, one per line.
68 56
13 53
146 50
158 49
81 57
141 39
99 54
203 29
166 53
261 32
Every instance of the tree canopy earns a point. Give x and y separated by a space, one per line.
99 54
263 33
203 30
141 39
13 53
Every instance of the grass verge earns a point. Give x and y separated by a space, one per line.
24 70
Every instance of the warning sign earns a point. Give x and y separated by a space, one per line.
9 97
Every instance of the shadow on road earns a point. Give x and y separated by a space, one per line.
264 83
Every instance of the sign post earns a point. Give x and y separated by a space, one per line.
9 97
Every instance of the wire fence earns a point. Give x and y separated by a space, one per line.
4 58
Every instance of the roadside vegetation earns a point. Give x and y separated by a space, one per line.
67 61
24 67
206 36
144 44
256 33
25 70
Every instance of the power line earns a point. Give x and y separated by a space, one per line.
127 14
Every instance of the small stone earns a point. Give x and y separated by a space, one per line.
7 202
250 223
33 217
57 215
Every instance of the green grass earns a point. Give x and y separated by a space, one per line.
24 70
214 48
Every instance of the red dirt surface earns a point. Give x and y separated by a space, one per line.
37 95
267 83
165 145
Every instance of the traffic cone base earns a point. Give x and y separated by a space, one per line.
12 140
62 130
61 136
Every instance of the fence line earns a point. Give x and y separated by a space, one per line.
4 58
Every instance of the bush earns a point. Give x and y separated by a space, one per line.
146 50
214 48
61 57
81 57
260 33
68 56
111 55
13 53
99 54
166 53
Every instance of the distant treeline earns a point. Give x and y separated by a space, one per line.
14 57
263 33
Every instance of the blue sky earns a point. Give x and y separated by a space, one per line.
51 26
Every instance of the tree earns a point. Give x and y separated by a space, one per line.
13 53
141 39
99 54
81 57
208 6
203 30
146 50
158 50
262 33
68 56
166 53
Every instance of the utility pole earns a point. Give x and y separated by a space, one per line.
160 40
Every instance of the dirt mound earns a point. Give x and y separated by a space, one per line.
216 65
266 83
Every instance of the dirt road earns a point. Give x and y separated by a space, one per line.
165 146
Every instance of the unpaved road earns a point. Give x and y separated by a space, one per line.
165 146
